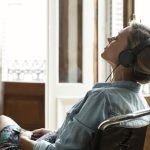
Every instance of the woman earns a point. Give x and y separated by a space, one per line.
121 96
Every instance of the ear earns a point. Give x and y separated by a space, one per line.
126 58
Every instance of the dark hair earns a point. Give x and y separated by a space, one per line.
141 68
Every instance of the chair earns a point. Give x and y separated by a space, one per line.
111 136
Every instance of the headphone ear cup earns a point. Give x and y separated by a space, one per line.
126 58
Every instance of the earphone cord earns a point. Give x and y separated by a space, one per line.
112 72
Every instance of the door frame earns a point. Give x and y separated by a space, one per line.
56 91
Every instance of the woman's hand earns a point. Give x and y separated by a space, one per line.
39 132
26 134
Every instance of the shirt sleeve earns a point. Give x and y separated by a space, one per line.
79 131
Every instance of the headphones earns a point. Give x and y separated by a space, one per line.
128 56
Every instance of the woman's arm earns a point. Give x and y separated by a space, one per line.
26 144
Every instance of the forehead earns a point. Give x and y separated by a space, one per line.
125 32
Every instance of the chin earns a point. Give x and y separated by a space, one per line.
103 55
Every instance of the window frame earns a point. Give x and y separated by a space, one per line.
128 11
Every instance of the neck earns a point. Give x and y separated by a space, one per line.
122 73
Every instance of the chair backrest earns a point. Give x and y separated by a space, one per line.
111 136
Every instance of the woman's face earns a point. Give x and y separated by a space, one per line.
115 46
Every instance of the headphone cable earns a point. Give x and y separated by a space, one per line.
112 72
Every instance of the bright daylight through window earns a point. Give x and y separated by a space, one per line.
23 40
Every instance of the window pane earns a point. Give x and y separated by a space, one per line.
70 41
24 42
117 16
142 14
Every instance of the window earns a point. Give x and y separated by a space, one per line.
117 16
70 41
142 16
24 42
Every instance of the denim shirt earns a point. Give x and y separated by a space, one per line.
103 101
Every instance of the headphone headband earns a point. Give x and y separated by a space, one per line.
128 56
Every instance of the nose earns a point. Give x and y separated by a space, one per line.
110 39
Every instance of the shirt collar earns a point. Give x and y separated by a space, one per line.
136 87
